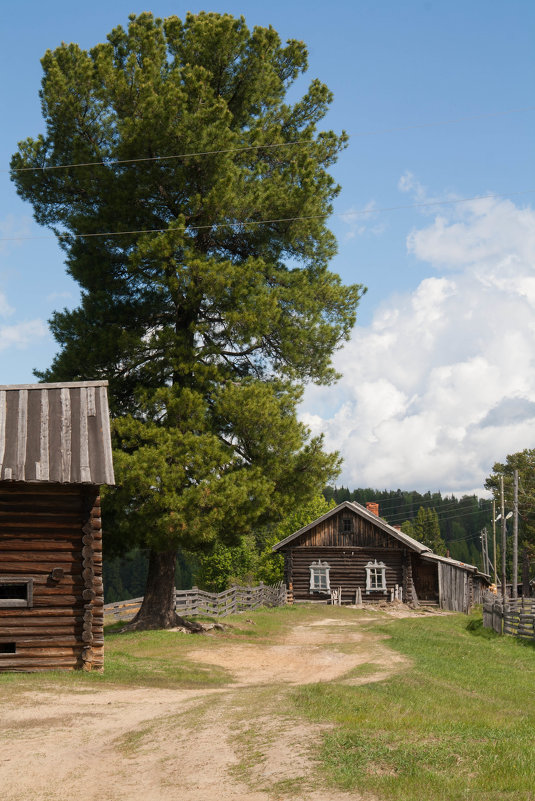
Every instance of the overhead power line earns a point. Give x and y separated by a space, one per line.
446 500
229 224
400 518
441 510
464 539
244 148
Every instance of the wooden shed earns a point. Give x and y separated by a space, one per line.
55 452
352 548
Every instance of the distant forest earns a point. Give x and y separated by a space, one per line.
460 520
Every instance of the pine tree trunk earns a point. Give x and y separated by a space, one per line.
158 607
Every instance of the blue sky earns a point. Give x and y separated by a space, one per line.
438 377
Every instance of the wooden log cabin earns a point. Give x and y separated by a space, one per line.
351 548
55 452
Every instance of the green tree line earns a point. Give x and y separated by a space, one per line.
447 524
460 520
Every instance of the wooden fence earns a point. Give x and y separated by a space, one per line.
212 604
515 617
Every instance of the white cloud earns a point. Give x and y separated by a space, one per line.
53 296
22 335
360 221
12 229
409 183
5 308
488 233
442 383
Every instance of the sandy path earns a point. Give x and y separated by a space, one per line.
162 745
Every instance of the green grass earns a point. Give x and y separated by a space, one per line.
458 724
143 659
160 658
157 658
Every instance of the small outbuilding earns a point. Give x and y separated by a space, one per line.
352 551
55 452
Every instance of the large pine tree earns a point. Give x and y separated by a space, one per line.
200 244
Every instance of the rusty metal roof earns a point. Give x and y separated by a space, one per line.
56 433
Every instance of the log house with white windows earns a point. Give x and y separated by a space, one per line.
352 548
55 452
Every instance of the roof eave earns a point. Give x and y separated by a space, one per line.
363 512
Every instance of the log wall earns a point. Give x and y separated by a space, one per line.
52 535
347 570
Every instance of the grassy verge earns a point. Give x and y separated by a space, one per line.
459 724
160 658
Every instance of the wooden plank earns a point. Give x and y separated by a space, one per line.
37 547
65 435
49 644
2 428
85 472
29 663
106 437
44 456
91 403
59 385
22 435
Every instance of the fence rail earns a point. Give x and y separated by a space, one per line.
516 617
212 604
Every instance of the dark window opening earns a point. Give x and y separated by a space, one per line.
348 524
8 648
15 592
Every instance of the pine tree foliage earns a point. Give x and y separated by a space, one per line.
216 307
253 560
524 462
425 528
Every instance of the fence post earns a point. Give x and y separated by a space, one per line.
195 601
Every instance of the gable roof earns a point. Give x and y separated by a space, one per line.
56 433
409 542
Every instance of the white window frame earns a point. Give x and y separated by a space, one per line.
319 577
376 577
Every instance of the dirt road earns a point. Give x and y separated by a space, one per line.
238 743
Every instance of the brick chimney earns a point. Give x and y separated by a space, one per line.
398 528
372 507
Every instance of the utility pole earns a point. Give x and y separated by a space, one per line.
515 534
504 543
485 551
494 541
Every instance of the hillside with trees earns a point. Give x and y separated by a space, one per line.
447 524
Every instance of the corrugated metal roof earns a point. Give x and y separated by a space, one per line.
56 433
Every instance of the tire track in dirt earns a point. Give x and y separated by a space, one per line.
140 744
